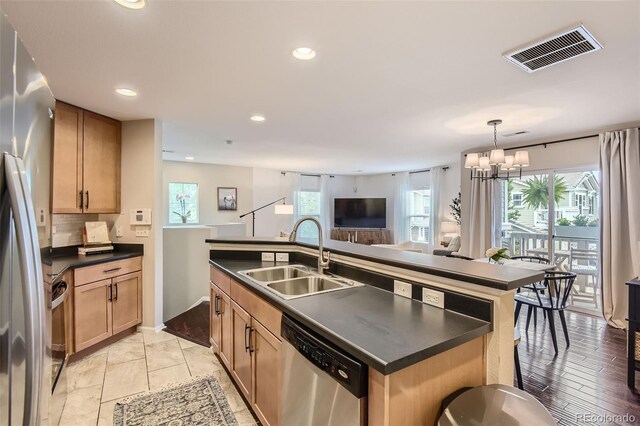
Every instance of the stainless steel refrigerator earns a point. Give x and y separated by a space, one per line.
26 124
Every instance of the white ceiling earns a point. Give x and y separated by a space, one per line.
394 86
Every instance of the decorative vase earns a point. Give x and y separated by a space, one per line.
184 219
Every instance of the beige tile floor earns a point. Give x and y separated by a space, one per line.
143 362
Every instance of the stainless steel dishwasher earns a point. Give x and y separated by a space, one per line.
321 384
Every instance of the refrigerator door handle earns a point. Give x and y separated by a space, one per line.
29 251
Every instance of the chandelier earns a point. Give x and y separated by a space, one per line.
490 167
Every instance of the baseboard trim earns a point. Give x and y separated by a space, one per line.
199 301
157 328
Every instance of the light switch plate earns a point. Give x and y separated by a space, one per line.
142 231
268 257
402 289
282 257
433 297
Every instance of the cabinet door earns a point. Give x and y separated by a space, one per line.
241 356
215 318
92 313
266 375
126 302
225 329
101 164
66 183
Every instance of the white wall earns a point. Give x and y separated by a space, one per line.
141 171
582 153
270 185
209 177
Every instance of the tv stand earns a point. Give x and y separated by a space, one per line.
366 236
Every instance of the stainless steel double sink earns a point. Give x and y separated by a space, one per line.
292 281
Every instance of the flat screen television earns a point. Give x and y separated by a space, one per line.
360 213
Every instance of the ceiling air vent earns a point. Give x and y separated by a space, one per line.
553 50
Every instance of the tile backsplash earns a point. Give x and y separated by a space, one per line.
68 228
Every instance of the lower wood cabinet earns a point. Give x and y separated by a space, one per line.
265 365
105 307
220 329
249 349
241 356
92 314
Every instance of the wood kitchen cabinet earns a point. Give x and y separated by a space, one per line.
86 162
241 343
107 300
244 330
266 378
92 314
220 329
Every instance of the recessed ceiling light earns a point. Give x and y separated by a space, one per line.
189 158
131 4
126 92
304 53
229 142
257 117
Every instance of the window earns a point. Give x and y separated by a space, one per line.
183 203
419 215
517 199
308 205
580 200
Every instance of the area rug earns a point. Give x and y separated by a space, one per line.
198 402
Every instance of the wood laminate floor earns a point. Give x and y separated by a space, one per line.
585 384
191 325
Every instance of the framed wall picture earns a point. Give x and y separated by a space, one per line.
227 199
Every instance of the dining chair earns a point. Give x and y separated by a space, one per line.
539 286
585 263
558 285
516 357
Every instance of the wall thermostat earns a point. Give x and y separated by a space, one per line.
140 217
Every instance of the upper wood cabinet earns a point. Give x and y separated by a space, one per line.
86 162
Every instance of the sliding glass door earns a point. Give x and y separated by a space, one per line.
576 233
563 207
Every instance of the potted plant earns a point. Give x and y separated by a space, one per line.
182 201
497 254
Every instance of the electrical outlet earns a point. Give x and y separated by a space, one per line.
119 231
142 231
282 257
402 289
433 297
268 257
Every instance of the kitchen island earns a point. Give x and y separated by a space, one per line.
417 354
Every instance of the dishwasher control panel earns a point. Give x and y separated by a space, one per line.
346 370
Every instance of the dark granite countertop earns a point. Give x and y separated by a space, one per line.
484 274
65 258
386 331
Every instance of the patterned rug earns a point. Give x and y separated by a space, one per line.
197 402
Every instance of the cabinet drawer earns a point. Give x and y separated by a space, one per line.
106 270
220 279
269 316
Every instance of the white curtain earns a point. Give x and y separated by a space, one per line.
620 168
295 183
401 208
326 197
435 178
482 222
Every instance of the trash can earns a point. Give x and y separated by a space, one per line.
495 405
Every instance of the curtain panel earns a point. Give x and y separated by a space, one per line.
401 208
483 226
620 230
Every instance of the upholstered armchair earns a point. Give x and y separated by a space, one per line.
452 248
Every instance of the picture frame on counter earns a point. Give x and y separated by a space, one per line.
227 199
